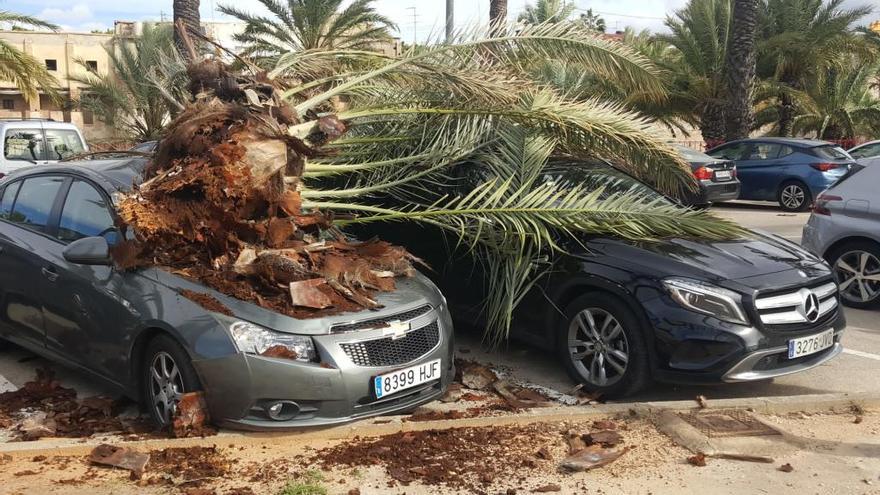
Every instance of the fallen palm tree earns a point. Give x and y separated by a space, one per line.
255 178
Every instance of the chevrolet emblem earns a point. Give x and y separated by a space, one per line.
396 329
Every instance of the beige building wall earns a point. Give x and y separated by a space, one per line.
59 51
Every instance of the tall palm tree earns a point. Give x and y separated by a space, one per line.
186 13
593 21
27 73
699 35
124 97
740 70
498 11
547 11
299 25
799 39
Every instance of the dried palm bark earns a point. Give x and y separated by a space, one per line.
221 205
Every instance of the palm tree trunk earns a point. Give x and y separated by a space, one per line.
712 124
786 114
740 70
187 12
497 11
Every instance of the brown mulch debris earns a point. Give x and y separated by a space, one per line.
192 418
698 460
206 301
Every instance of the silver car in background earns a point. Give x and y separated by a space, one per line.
867 154
844 228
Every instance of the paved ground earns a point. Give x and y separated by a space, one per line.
854 371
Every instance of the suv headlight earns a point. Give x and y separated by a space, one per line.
254 339
707 299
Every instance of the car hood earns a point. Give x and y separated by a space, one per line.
411 293
738 260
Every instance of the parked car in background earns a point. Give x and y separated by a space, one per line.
145 147
61 298
716 178
866 154
37 142
844 228
619 314
789 171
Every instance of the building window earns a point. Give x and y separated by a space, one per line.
88 117
8 104
92 65
51 64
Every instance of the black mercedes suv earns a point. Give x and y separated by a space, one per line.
620 314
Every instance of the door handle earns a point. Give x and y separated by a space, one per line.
50 274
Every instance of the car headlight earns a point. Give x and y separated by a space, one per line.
707 299
254 339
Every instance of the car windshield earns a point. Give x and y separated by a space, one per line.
598 175
831 152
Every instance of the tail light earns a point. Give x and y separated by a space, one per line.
820 207
825 166
703 173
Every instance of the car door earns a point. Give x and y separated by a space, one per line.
84 309
25 217
760 170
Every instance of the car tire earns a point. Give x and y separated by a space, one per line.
847 263
629 342
166 355
794 195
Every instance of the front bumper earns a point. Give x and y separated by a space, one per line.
238 387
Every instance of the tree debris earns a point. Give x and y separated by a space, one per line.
743 457
191 419
698 460
786 468
701 401
592 457
120 457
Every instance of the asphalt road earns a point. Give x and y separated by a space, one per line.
854 371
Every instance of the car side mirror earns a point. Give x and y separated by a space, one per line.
88 251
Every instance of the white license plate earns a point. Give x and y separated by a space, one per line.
805 346
723 175
390 383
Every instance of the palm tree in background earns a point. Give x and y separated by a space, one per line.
799 39
547 11
301 25
498 11
127 98
739 70
186 12
699 36
27 73
593 21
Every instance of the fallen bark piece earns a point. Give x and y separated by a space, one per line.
476 376
698 460
858 420
552 487
576 442
743 457
592 457
701 401
307 294
786 468
120 457
604 425
605 438
37 426
192 416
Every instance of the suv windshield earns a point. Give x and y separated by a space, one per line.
831 152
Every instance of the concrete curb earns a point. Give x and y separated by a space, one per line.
387 425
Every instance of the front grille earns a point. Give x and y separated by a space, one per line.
383 321
788 310
389 352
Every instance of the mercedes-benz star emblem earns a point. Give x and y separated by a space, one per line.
811 307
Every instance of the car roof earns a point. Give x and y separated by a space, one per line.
30 123
113 175
796 142
867 143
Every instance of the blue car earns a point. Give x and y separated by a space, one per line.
790 171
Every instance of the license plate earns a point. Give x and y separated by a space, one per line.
723 175
394 382
805 346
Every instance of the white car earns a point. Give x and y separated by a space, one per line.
867 154
37 142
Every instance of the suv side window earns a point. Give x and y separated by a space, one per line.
866 151
7 198
730 152
34 201
764 151
85 214
63 143
24 144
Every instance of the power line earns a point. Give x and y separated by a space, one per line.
622 15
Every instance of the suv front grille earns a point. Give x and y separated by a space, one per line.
387 351
383 321
792 309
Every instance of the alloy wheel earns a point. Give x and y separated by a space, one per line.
793 196
858 273
598 346
166 386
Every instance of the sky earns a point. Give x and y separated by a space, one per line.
86 15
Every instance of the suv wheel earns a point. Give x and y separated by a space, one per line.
167 374
857 269
602 346
794 196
